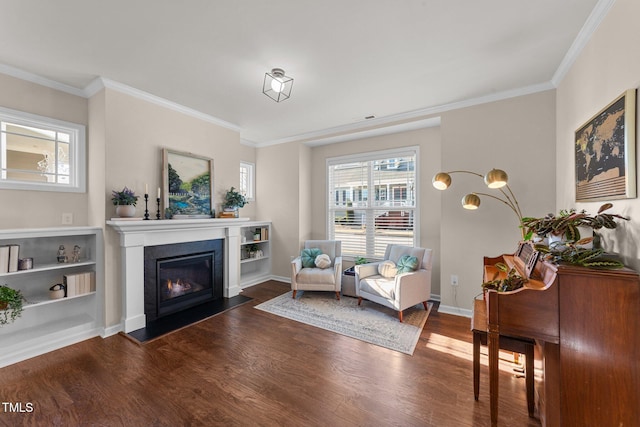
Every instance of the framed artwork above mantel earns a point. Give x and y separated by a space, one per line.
605 158
188 185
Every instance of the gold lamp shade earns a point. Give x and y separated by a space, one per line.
471 201
441 180
496 178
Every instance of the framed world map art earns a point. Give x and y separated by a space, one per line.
605 152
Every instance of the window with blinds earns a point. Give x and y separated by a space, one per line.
372 201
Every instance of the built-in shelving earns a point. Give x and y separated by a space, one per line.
48 324
255 255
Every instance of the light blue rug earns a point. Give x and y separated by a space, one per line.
369 322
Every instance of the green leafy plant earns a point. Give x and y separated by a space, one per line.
124 197
576 254
233 199
511 282
566 223
360 260
10 304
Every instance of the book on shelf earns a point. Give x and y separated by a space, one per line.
79 284
14 253
4 259
264 233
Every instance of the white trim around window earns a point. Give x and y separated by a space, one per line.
248 180
41 153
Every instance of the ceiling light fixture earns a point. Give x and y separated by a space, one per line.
276 85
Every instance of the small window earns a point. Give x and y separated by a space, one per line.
40 153
247 180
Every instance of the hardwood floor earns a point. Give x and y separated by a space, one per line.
247 367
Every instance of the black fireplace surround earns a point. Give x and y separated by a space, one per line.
180 276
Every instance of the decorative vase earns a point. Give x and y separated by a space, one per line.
125 211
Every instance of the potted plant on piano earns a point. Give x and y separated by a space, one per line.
10 304
505 279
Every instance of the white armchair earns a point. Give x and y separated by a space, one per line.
401 291
319 279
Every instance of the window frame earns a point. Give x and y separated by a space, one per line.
330 196
250 193
77 152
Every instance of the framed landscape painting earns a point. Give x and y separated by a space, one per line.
188 185
605 152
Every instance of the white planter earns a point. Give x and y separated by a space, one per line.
125 211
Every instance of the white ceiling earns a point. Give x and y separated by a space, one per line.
395 59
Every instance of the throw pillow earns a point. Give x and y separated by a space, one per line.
323 261
387 269
407 263
308 257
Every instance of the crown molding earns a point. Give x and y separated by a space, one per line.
100 83
593 21
42 81
321 137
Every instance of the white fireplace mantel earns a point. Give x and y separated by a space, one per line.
135 235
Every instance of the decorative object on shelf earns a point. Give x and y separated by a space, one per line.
566 224
146 206
125 202
252 250
188 184
56 291
62 255
158 205
495 179
256 235
605 152
10 304
25 263
233 200
276 85
75 256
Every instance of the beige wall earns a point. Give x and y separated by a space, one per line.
32 209
429 142
607 67
516 135
278 182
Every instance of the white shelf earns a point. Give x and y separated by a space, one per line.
245 260
35 301
49 267
251 242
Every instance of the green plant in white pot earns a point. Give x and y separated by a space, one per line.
233 200
10 304
125 202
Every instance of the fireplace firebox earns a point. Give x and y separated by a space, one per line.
181 276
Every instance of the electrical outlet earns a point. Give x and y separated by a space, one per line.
67 218
454 280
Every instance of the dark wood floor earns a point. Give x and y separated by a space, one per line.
246 367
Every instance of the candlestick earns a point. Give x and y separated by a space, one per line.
158 192
146 206
158 202
146 189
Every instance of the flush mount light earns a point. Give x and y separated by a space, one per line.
276 85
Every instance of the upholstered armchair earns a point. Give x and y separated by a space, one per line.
325 276
378 282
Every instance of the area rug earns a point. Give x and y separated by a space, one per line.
369 322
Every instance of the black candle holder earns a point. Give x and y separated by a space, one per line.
146 206
158 211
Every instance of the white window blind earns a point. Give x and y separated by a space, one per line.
372 201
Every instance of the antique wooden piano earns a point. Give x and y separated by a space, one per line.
586 327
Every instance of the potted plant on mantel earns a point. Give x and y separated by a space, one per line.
10 304
125 202
233 200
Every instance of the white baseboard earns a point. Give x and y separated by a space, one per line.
112 330
457 311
